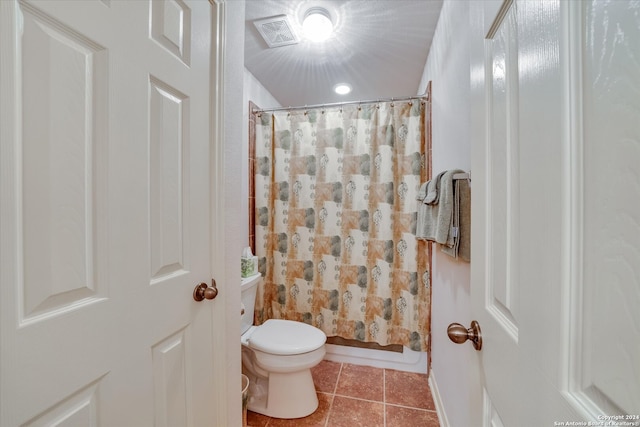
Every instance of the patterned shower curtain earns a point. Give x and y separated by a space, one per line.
336 216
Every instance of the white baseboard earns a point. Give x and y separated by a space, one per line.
442 416
408 360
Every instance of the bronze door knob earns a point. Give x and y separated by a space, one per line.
203 291
459 334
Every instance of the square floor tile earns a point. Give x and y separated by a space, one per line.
398 416
257 420
362 382
325 376
317 419
408 389
347 412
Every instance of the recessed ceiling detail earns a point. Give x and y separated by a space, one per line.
342 88
277 31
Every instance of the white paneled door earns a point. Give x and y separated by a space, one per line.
556 211
105 190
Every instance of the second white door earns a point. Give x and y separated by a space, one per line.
105 213
556 211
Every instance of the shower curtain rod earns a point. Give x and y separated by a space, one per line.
337 104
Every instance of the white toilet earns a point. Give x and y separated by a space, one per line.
277 356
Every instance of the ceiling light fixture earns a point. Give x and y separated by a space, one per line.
342 88
317 25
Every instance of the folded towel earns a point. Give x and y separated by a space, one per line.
433 188
455 225
465 220
434 220
422 193
461 222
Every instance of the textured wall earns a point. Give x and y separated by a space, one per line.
454 367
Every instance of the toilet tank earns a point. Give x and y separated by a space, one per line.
249 289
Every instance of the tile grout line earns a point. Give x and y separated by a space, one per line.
411 407
358 398
333 396
335 388
379 401
384 397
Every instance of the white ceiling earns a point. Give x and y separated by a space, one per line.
379 47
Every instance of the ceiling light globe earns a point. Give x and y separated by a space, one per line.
317 25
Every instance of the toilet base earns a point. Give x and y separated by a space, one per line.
290 395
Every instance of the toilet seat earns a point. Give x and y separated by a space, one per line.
286 337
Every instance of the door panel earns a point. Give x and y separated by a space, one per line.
105 213
490 417
604 353
64 104
80 409
171 27
170 381
503 172
496 207
169 144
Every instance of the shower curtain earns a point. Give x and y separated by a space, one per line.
335 197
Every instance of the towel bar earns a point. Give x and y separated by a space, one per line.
463 175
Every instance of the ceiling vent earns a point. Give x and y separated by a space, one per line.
277 31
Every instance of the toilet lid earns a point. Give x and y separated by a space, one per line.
286 337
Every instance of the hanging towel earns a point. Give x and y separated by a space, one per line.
465 220
455 224
422 193
434 220
461 222
432 190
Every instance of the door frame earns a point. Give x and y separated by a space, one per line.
227 410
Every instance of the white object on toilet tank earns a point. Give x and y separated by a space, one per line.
248 263
248 290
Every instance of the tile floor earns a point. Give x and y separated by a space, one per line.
352 396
